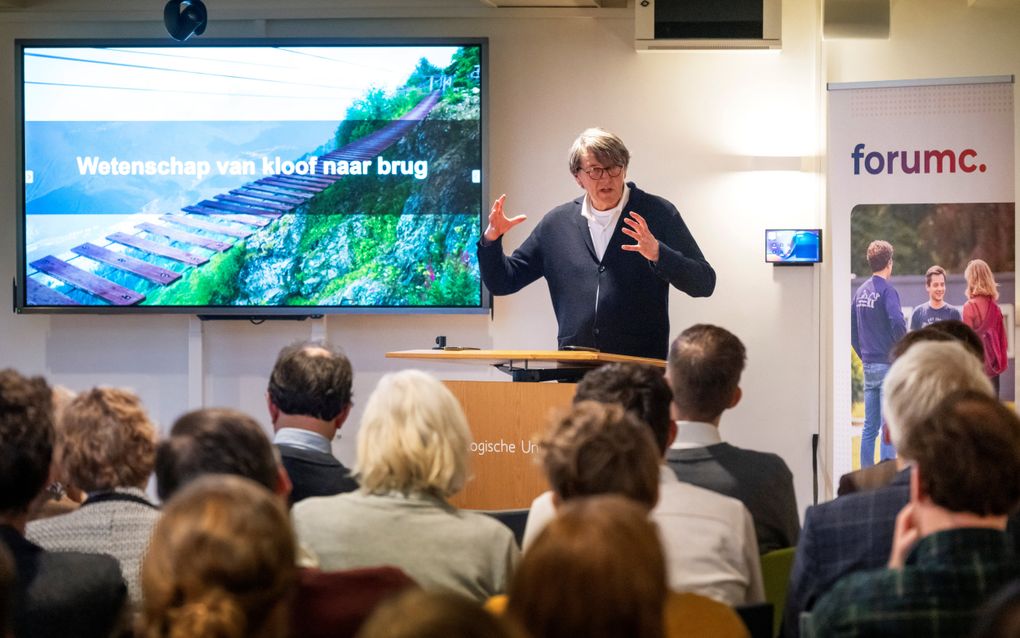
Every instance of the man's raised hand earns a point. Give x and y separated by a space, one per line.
498 221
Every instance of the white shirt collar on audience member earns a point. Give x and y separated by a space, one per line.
303 440
695 434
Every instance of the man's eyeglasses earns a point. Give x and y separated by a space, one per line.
597 172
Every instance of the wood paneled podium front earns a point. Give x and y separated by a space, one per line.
507 418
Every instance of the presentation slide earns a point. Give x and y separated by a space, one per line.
252 176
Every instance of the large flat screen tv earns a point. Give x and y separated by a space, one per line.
240 178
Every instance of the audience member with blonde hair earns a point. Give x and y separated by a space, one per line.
413 449
221 564
981 312
106 448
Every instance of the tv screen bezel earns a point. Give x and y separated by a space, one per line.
801 262
20 297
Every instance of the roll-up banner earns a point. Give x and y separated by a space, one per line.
922 216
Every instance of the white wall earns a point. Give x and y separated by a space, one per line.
707 131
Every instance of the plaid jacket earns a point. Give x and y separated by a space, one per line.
947 577
850 534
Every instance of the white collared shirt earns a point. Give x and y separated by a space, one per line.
303 440
708 539
602 223
695 434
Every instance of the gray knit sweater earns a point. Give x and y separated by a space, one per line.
118 528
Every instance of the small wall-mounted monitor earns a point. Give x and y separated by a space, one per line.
793 246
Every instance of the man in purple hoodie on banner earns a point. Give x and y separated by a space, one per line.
876 323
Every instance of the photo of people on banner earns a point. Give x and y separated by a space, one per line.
914 266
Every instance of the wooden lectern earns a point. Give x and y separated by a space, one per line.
506 418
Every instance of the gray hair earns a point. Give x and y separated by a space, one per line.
607 148
414 437
920 379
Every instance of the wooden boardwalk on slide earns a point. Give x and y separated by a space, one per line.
215 225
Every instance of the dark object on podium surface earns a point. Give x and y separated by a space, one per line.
440 342
185 18
579 349
536 375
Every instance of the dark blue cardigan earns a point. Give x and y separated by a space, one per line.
631 293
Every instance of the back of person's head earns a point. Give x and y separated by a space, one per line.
106 440
311 378
214 441
414 437
26 439
704 366
641 389
221 563
968 454
914 337
880 253
921 378
600 448
962 333
597 570
433 614
1000 617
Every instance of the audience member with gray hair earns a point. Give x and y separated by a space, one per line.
413 449
950 551
854 532
881 474
921 378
